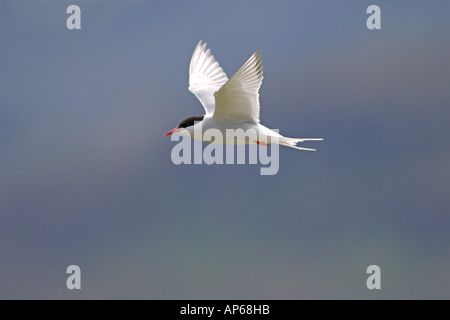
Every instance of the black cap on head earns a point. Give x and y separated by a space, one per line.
190 121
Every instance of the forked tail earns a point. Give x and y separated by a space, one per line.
292 142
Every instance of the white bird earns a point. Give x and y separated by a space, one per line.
229 103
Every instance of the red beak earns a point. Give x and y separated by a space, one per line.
172 132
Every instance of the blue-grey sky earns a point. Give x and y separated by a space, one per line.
86 176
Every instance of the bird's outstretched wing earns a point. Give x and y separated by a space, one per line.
238 99
205 76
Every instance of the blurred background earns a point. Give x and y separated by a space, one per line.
86 176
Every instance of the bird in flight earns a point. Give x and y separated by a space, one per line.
229 103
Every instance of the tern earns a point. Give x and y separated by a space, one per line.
229 103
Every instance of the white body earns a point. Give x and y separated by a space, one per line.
261 132
240 133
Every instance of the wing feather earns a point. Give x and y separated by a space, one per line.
238 99
205 76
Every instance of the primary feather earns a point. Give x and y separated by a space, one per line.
238 99
205 76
